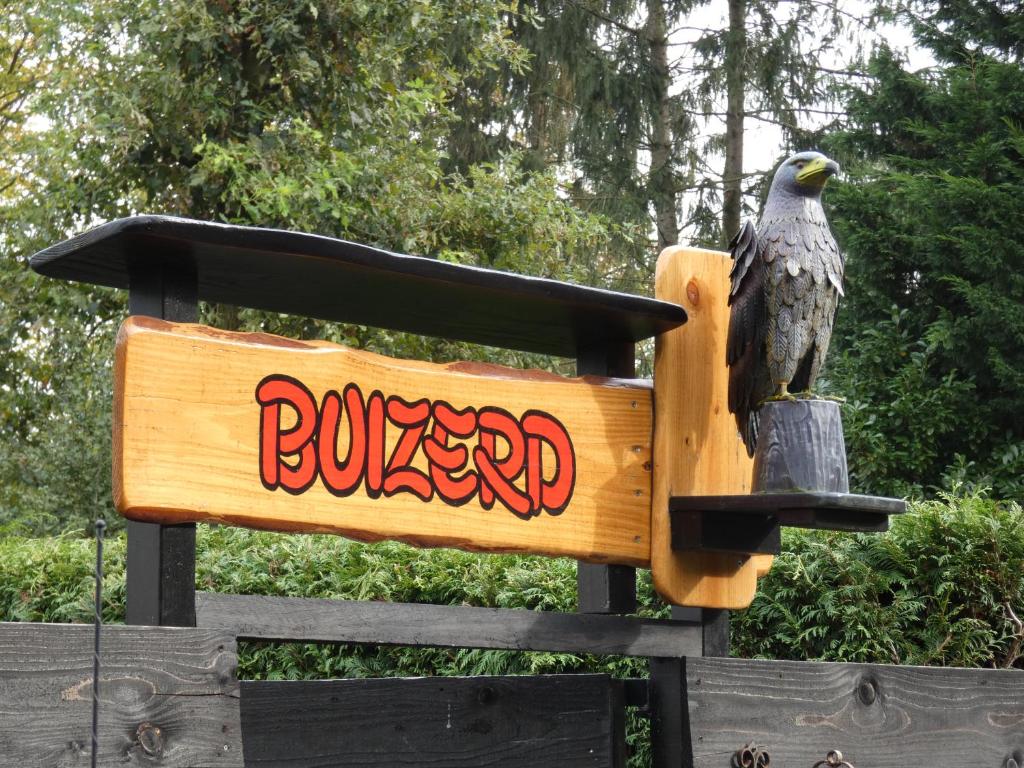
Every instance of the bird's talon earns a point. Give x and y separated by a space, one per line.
783 397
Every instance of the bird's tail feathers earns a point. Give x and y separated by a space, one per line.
750 433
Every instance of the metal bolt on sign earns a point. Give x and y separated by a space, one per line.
834 759
751 756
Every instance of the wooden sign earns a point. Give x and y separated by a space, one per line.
697 448
267 432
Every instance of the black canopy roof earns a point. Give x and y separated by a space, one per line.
332 279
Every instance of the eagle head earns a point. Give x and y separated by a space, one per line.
804 174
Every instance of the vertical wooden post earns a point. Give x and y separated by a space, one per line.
606 588
714 626
697 448
160 578
670 714
669 707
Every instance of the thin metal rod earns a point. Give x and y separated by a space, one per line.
100 527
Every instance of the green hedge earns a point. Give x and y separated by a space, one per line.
944 586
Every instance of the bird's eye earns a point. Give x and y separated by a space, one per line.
800 166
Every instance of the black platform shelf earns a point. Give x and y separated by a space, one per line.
751 523
332 279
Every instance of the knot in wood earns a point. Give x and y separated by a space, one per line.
693 292
150 738
866 691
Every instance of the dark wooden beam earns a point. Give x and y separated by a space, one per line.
168 697
670 715
715 632
558 721
351 621
160 578
750 523
670 708
316 276
878 716
606 589
713 625
162 283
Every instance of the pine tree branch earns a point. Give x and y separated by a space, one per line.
849 72
832 7
605 18
704 30
762 115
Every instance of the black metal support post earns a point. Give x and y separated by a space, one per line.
162 558
606 588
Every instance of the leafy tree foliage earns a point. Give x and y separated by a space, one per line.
767 65
321 117
931 337
594 102
902 407
49 335
482 133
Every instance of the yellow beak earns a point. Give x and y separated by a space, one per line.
817 171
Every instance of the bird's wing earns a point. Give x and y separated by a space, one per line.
744 345
836 264
744 249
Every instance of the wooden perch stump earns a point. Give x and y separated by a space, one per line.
800 448
799 480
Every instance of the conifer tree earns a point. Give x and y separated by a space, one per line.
931 338
621 93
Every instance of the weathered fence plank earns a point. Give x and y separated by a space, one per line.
568 721
354 621
878 716
181 682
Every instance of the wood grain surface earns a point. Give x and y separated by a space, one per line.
878 716
800 448
697 449
446 626
558 721
187 445
180 681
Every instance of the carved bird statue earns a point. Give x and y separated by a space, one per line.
786 280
